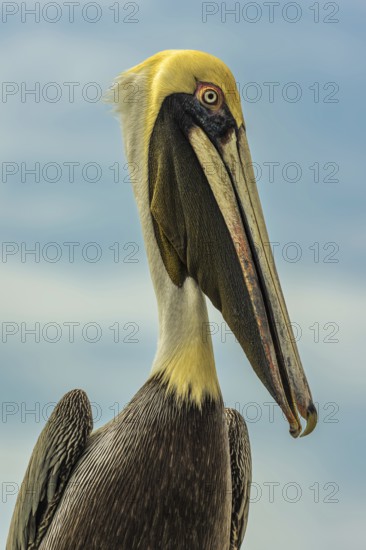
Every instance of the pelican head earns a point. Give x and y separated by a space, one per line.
204 228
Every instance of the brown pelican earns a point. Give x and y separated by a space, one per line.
173 470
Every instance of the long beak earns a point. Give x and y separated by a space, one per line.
209 225
272 349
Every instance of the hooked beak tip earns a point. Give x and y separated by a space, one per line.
311 420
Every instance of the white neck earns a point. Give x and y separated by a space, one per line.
184 354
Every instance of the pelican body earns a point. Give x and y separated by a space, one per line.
173 469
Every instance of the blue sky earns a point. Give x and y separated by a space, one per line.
312 204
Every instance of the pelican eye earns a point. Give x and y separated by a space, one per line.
210 97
